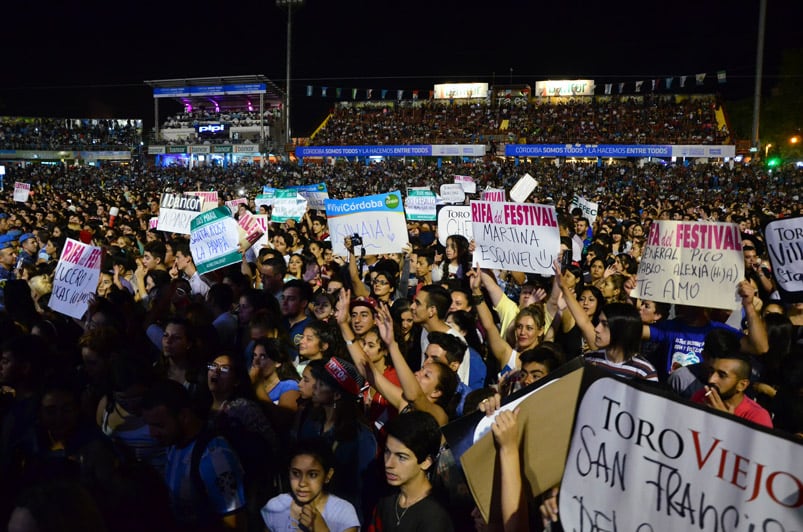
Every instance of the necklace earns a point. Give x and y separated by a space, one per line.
404 510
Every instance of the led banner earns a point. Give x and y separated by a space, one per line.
707 152
565 87
413 150
209 90
445 91
587 150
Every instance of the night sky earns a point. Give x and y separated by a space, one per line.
66 60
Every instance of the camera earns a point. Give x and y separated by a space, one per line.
356 240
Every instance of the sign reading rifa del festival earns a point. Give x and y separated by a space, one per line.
214 240
692 263
521 237
76 278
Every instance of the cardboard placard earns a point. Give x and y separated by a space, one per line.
698 264
21 191
288 204
454 220
523 188
176 212
315 195
214 240
493 194
420 204
467 182
589 208
76 278
452 193
520 237
642 461
785 249
378 219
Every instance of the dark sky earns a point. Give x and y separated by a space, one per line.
59 59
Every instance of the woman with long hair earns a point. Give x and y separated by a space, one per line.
272 375
456 258
616 338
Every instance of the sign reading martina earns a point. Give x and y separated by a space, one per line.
515 236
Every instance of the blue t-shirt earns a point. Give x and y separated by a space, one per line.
682 344
279 389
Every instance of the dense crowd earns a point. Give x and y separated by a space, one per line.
191 119
18 133
644 120
301 389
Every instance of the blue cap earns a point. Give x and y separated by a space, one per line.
6 241
3 216
25 237
14 233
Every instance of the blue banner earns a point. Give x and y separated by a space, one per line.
364 151
588 150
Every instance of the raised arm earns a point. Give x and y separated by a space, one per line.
360 290
577 312
411 388
505 429
500 349
755 341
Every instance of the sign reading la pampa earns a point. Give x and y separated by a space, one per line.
214 240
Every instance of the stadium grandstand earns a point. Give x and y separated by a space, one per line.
223 119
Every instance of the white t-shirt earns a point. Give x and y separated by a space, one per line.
338 514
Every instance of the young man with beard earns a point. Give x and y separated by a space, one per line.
730 377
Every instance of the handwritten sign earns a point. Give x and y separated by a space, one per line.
315 195
467 182
692 263
213 240
523 188
21 191
785 248
454 220
76 278
176 212
420 204
263 222
210 198
378 219
252 230
288 204
452 193
266 198
520 237
640 462
589 208
493 194
232 204
153 222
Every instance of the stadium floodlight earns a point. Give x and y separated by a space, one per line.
289 4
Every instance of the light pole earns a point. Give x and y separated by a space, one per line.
289 4
762 18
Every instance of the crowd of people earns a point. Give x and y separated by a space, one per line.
196 117
18 133
600 120
305 390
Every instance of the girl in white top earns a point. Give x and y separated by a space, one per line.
309 506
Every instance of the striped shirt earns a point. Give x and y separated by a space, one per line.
634 368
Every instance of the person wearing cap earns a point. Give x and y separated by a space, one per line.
337 394
29 248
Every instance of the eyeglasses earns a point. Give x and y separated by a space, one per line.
380 282
216 367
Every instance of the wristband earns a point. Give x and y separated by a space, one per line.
477 299
349 342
